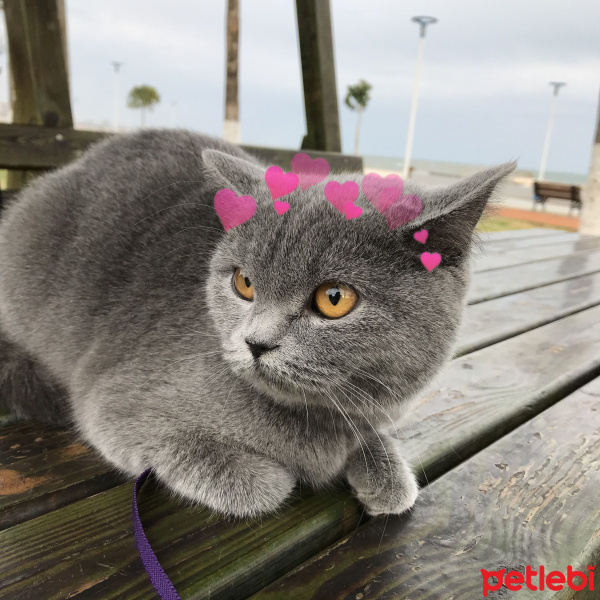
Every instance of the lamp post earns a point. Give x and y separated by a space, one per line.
556 85
423 22
117 66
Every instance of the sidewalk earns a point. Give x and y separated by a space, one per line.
538 216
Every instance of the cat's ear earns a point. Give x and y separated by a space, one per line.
229 171
451 213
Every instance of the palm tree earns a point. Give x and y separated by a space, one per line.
357 98
231 130
143 97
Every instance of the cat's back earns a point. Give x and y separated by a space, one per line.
76 237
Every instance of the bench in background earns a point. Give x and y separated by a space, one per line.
542 190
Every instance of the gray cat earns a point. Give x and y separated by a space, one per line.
233 363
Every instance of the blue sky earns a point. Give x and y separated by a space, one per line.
485 96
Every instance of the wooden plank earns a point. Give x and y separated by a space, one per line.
24 440
38 66
318 76
46 481
499 259
529 499
87 550
491 322
484 396
32 147
519 278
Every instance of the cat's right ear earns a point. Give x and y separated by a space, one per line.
231 172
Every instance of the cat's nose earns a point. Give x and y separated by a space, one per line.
258 349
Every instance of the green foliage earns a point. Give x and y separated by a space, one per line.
143 96
358 95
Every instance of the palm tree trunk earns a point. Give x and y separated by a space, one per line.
590 213
357 135
143 124
232 118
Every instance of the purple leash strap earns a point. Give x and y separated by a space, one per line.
162 584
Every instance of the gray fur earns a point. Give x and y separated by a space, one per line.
116 299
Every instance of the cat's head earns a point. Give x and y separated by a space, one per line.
313 307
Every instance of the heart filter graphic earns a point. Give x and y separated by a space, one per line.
373 185
352 211
281 207
280 183
431 261
421 236
310 171
339 194
233 210
404 210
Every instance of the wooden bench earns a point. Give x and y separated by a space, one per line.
542 190
507 449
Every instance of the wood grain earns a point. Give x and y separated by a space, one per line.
33 147
45 481
511 280
529 499
490 322
495 259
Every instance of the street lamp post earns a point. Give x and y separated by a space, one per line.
556 85
117 66
423 22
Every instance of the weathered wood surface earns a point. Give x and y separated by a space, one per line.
519 278
490 322
24 440
484 396
41 483
38 66
532 498
315 36
32 147
495 259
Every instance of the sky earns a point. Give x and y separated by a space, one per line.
484 98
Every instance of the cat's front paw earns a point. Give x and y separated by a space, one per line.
382 482
246 485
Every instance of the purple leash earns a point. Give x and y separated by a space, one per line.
162 584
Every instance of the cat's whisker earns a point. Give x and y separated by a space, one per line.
377 434
351 425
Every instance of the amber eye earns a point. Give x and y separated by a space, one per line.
243 285
334 300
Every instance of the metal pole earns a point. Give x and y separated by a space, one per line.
545 151
116 95
423 22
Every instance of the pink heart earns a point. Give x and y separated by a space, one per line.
341 193
281 207
405 210
421 236
373 184
387 197
233 210
280 183
352 211
310 171
431 261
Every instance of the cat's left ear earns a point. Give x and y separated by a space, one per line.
451 213
232 172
